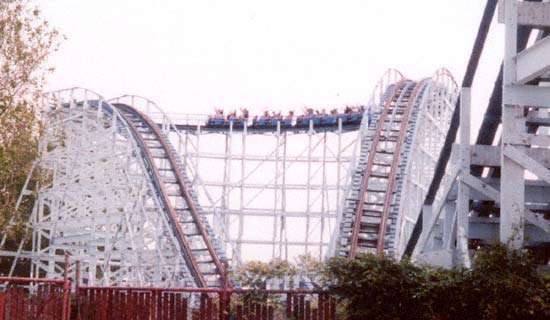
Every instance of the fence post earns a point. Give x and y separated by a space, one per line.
2 304
65 307
288 305
225 297
222 304
321 306
326 315
77 289
332 309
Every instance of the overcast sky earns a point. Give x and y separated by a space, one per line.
190 56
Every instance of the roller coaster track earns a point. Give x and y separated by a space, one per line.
127 209
189 223
119 200
374 207
379 155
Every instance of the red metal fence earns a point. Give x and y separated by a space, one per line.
129 303
50 299
30 298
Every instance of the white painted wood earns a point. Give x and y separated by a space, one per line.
526 95
529 13
489 156
533 61
480 186
527 162
537 220
463 200
512 197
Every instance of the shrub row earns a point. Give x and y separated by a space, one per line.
501 284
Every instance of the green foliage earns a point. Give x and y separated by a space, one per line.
310 269
26 40
502 284
376 287
509 283
256 275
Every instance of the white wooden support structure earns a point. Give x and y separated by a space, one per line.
512 208
463 200
520 69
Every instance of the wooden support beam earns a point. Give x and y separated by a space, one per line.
527 162
526 95
535 14
533 62
489 156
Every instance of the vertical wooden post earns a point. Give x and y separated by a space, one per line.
209 309
239 312
325 307
296 307
321 302
225 297
332 309
77 290
184 309
512 181
203 306
2 304
270 313
288 305
246 309
314 314
152 304
66 287
463 198
165 304
302 307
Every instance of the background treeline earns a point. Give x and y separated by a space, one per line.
26 41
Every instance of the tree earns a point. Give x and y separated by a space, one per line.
26 40
375 287
502 284
276 274
511 286
257 275
310 269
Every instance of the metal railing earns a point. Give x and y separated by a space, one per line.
35 298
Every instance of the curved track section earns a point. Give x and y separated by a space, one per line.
374 207
117 199
425 143
202 254
184 150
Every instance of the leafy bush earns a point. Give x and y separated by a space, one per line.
502 284
256 275
376 287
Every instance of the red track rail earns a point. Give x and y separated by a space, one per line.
391 177
164 194
364 183
395 162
